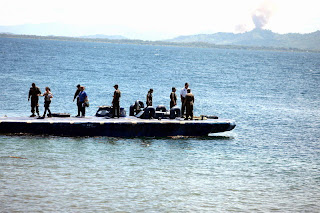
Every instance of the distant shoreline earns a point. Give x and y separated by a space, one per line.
154 43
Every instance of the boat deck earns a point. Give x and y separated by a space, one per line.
94 119
118 127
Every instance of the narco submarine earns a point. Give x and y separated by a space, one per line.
141 122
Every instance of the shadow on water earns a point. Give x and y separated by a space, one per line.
114 139
181 141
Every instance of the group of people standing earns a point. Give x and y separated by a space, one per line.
83 102
34 94
187 100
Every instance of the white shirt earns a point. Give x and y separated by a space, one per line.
48 96
183 92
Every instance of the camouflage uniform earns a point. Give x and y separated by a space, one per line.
116 103
34 92
189 105
173 99
76 96
149 99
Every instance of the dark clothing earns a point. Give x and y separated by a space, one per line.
47 100
116 96
82 99
149 99
183 106
189 100
46 108
173 99
34 106
33 93
79 107
116 103
116 109
82 108
76 96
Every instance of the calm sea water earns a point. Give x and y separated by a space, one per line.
269 163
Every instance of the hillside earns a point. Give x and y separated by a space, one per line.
257 38
101 36
195 44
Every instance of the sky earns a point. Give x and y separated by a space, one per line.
162 19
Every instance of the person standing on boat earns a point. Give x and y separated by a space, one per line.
82 99
47 100
183 94
116 102
34 93
77 97
149 98
173 98
188 102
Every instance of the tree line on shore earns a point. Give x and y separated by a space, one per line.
154 43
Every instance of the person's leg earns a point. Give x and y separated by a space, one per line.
118 109
113 110
45 111
37 108
187 112
79 108
49 110
83 110
182 109
79 105
32 108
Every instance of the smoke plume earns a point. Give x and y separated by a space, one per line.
261 15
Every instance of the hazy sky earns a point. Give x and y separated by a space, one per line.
161 19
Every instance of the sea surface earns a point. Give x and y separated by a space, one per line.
269 163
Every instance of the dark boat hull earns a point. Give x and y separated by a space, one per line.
123 127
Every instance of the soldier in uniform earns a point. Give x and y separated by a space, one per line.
183 94
76 95
116 102
34 93
149 98
188 102
173 98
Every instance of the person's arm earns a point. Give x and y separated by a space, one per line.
29 95
181 95
86 97
114 96
76 94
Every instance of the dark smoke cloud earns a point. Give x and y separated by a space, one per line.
261 15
